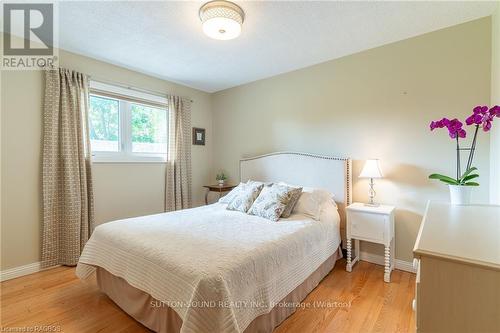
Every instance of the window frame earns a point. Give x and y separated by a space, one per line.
126 97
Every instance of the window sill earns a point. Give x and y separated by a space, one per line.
100 161
128 159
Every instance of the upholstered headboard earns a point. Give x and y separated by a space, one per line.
326 172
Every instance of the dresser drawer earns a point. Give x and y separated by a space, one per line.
367 226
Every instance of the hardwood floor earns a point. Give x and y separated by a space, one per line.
58 299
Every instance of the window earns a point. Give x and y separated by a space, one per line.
104 128
127 125
149 129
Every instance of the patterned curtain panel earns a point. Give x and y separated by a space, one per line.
68 212
178 173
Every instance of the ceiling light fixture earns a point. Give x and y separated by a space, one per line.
221 19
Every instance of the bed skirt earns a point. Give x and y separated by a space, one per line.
161 318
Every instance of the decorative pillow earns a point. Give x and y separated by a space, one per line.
271 202
245 198
295 193
232 194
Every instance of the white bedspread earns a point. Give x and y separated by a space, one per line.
217 269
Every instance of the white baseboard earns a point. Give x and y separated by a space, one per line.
20 271
402 265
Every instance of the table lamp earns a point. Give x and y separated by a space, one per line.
371 170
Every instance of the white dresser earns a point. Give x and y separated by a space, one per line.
457 254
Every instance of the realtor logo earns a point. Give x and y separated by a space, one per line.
29 36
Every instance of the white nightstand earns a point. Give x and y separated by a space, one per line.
371 224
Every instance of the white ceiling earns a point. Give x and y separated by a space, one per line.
165 39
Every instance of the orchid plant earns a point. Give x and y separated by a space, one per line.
482 117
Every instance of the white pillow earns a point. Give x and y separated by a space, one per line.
321 193
329 213
256 182
232 194
309 205
311 201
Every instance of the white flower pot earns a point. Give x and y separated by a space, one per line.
221 182
460 195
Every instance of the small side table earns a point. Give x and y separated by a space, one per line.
217 188
371 224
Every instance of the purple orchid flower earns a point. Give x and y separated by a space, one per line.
495 110
454 127
483 117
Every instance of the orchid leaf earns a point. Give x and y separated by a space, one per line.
471 184
449 182
467 172
469 177
445 179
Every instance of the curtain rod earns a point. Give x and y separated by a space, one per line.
126 86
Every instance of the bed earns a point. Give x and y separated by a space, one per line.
208 269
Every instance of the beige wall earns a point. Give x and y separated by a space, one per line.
495 99
373 104
121 190
376 103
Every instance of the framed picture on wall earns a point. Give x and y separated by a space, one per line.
198 136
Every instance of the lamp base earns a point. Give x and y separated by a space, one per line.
371 194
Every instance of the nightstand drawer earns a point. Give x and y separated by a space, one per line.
368 226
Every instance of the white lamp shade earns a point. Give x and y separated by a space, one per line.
371 170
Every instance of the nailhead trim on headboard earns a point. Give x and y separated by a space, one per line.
348 168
